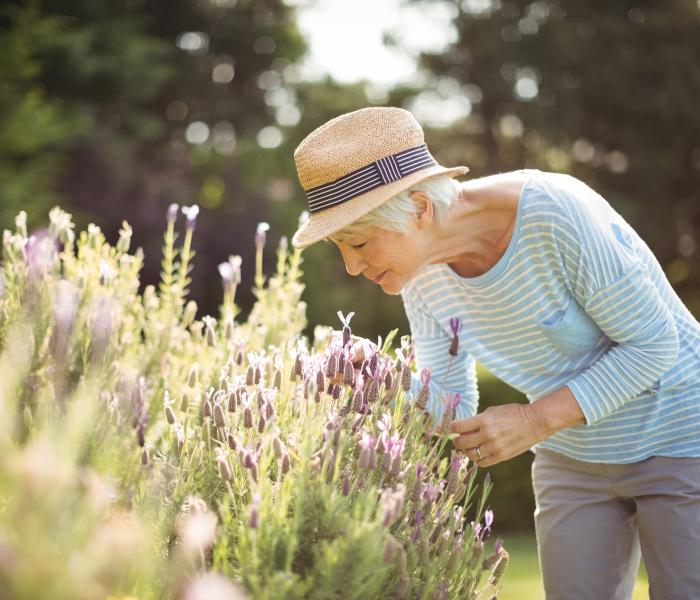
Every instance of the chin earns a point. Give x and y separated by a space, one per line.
392 288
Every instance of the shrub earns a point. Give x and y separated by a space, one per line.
149 453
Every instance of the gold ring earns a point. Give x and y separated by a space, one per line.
478 452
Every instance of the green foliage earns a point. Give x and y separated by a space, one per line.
34 128
147 453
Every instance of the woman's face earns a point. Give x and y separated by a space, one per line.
388 258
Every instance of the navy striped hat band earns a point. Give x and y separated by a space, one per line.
374 175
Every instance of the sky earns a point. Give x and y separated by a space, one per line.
345 37
346 40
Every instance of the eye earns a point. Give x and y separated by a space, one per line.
359 245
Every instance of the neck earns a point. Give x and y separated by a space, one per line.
478 226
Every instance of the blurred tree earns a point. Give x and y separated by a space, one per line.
35 130
607 91
117 108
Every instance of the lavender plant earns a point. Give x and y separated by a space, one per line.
214 458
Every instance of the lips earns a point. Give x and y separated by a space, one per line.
378 278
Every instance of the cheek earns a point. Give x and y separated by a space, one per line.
401 263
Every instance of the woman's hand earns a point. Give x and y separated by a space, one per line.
356 352
500 433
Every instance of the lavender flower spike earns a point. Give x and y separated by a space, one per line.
172 212
347 334
261 235
191 213
422 400
449 413
456 327
230 271
488 520
254 512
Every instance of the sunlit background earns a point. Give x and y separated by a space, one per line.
116 109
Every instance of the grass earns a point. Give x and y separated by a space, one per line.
522 580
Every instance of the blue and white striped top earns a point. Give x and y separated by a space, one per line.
577 299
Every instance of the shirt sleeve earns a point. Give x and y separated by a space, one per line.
447 373
609 279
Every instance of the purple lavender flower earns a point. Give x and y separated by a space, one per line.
416 527
456 327
367 458
417 491
348 369
372 392
488 521
254 512
141 434
222 464
422 400
191 213
388 379
373 360
172 212
65 311
41 254
331 365
449 412
261 235
247 417
453 480
357 401
285 463
230 271
219 418
347 333
404 360
232 401
169 413
101 325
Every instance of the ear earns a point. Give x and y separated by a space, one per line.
424 209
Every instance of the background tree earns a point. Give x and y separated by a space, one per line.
606 91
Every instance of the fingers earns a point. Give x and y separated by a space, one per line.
468 441
357 350
466 425
474 457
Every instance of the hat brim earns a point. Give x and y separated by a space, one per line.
326 222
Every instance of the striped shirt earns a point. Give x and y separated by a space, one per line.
578 300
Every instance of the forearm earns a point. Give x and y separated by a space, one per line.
556 411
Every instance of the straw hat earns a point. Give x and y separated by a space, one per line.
357 161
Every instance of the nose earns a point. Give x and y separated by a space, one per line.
354 264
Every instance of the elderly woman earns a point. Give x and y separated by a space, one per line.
543 282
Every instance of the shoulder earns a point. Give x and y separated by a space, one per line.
570 199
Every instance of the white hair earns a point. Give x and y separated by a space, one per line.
397 212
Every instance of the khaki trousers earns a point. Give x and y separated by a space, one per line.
593 519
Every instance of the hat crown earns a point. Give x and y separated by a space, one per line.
354 140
